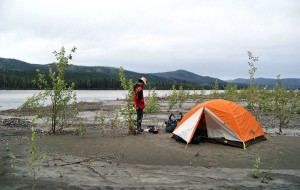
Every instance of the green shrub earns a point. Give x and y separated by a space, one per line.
172 98
127 110
63 106
231 92
286 104
152 103
182 96
256 167
214 94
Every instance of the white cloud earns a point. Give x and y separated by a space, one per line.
206 37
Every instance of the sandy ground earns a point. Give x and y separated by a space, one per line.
101 160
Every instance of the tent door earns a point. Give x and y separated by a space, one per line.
217 128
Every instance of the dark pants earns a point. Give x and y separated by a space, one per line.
139 118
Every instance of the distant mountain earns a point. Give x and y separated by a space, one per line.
290 83
16 74
183 75
17 65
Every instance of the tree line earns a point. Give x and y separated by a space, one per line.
23 80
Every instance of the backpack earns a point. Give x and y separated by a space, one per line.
172 122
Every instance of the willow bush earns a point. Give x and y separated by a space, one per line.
214 94
63 107
127 111
177 97
231 92
285 104
152 105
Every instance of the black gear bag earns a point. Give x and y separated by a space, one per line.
172 122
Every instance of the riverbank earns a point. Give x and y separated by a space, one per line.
100 159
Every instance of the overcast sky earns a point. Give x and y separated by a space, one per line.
207 37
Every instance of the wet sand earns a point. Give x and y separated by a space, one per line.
146 161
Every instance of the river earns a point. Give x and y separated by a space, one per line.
12 99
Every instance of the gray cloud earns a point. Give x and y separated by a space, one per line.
210 38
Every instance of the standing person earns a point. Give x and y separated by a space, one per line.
139 102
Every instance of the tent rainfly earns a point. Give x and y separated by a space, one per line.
222 121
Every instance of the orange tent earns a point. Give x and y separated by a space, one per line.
222 121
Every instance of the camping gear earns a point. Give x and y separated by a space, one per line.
172 122
152 129
220 121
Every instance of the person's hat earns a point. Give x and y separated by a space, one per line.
144 80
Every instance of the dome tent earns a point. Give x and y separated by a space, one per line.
222 121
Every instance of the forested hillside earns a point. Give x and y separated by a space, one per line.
290 83
191 77
17 74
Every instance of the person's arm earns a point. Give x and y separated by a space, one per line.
140 94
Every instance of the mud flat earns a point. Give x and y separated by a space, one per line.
101 159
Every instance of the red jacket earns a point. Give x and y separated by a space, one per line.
138 96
